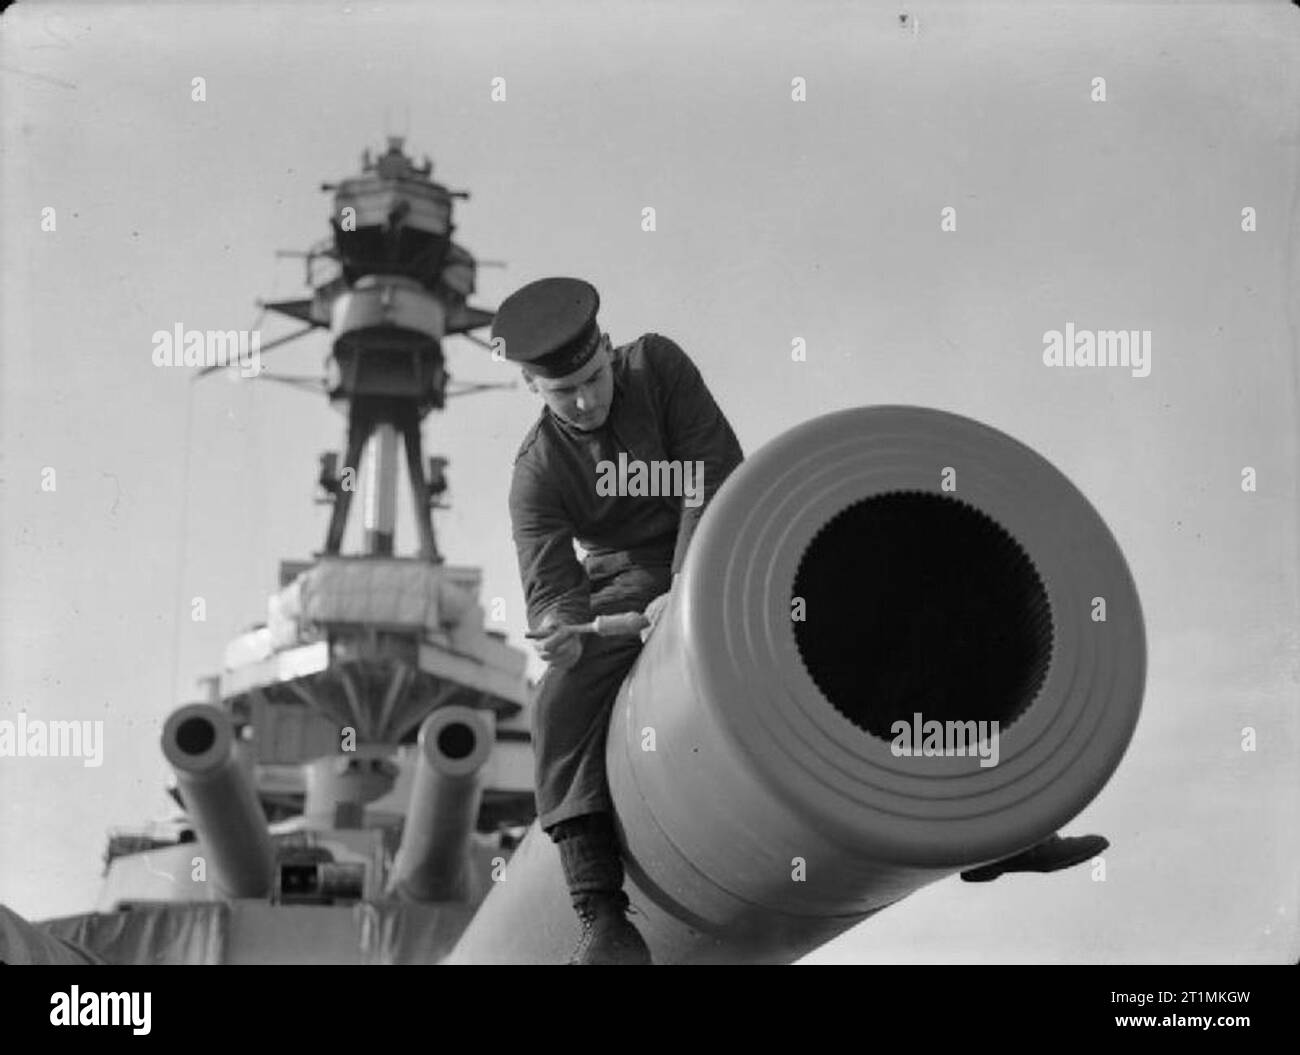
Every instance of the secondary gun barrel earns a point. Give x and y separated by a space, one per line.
433 860
199 742
902 644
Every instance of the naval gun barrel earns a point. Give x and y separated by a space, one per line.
199 742
902 644
433 860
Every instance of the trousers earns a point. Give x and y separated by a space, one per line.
571 711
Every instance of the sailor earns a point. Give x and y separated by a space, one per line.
647 402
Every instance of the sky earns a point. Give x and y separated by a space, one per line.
775 219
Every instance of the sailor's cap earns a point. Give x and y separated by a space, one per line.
549 325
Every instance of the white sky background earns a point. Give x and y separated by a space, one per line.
775 220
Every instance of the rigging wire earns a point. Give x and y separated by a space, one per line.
183 538
181 547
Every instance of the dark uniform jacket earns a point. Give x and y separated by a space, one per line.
661 411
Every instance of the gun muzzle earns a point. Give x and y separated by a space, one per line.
199 742
433 859
902 644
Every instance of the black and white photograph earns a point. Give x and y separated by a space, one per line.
651 483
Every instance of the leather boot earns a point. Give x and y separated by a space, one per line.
593 870
607 935
1051 855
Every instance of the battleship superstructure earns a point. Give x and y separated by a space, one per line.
362 764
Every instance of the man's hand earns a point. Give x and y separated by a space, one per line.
562 647
655 608
653 611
